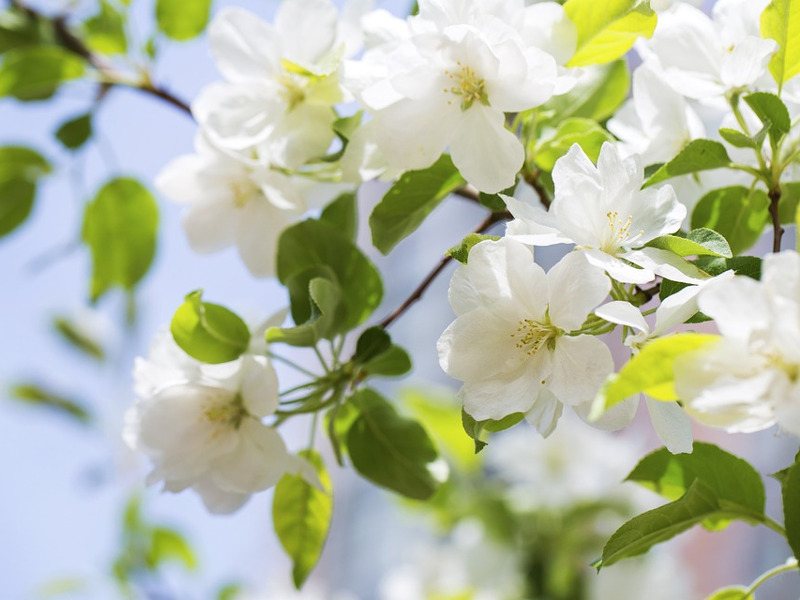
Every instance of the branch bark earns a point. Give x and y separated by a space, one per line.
774 207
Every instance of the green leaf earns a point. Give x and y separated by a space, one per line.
209 332
475 429
391 450
731 478
231 591
168 545
35 72
342 214
772 112
105 32
31 393
584 132
302 515
20 170
650 372
345 127
77 338
372 342
75 132
696 156
736 213
181 20
597 95
493 201
780 21
394 362
607 30
326 298
736 592
699 242
17 30
120 227
410 200
790 199
312 245
461 251
641 533
738 139
791 507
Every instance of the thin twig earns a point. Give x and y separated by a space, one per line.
774 211
420 290
468 192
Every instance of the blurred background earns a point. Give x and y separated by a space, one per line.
72 500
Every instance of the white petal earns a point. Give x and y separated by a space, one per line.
180 180
259 386
615 418
580 367
485 152
623 313
218 501
532 224
545 413
243 46
667 264
576 288
257 232
617 269
672 424
210 226
747 62
307 29
305 132
738 306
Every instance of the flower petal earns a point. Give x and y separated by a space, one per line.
672 424
580 366
576 288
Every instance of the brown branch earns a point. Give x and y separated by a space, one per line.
469 193
484 226
774 211
74 44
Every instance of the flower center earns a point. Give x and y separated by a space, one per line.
468 86
226 414
242 191
619 233
532 335
293 89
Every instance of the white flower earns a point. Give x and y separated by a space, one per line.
451 87
282 82
509 343
749 379
657 122
705 59
201 425
604 211
232 202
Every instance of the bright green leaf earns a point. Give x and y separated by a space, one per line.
772 112
650 372
36 395
302 517
736 592
394 362
736 213
790 200
313 248
75 132
607 30
584 132
325 297
168 545
699 242
780 21
372 342
342 214
209 332
105 31
35 72
120 227
461 251
181 20
597 95
20 170
738 139
696 156
791 507
410 200
475 429
391 450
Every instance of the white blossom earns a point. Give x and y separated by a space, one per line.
748 380
509 343
201 425
604 211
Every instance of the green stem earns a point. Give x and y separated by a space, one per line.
322 360
774 525
789 565
292 364
313 434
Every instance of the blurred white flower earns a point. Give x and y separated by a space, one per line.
509 343
604 211
749 380
201 425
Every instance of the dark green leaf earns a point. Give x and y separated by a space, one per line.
373 342
316 245
20 170
209 332
699 242
394 362
181 20
597 95
772 112
325 297
342 214
461 251
17 30
74 133
736 213
34 394
301 514
749 266
738 139
35 72
791 507
475 429
391 450
120 227
409 201
493 201
696 156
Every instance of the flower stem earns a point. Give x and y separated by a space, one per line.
789 565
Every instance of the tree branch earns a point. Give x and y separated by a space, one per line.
74 44
485 225
777 230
